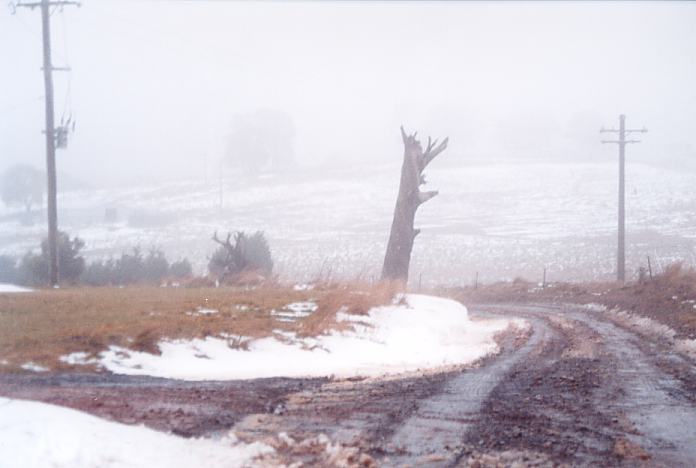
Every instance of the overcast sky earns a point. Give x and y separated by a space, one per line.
154 84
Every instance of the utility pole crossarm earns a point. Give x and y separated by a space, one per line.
60 3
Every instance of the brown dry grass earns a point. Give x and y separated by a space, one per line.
669 298
627 450
354 298
41 326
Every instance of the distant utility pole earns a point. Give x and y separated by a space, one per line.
622 142
52 133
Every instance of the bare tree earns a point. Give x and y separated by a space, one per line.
246 253
230 258
398 257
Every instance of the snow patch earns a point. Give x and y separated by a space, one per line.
79 358
294 311
202 311
593 307
421 332
11 288
33 367
654 329
34 434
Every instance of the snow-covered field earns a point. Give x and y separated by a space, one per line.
501 220
39 435
417 333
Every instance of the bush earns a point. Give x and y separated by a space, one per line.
100 273
129 268
155 266
181 269
247 253
133 268
9 273
34 268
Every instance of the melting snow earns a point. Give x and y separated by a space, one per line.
202 311
77 358
32 366
294 311
11 288
34 434
426 332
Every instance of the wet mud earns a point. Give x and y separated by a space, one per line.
576 389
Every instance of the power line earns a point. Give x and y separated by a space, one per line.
622 131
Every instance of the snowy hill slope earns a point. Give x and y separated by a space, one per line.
501 220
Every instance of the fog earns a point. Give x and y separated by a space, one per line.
155 85
196 116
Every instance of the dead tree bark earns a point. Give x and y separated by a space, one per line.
398 256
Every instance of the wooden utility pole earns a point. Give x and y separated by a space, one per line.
50 131
622 142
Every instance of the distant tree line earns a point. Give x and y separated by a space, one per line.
247 253
134 267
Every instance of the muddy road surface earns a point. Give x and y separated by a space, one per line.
574 389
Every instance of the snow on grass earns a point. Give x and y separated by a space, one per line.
421 332
34 434
33 367
594 307
294 311
202 311
11 288
79 358
507 233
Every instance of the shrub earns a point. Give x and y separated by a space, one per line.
100 273
8 270
34 268
129 268
132 268
247 253
181 269
155 266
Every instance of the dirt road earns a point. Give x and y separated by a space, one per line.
576 390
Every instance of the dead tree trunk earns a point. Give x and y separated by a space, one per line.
398 257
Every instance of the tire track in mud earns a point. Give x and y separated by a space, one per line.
613 406
650 397
435 430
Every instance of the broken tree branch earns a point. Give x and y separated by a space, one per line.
425 196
